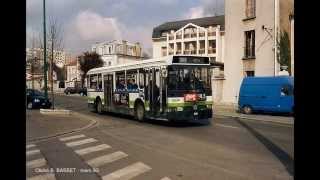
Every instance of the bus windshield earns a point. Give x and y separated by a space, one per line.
188 78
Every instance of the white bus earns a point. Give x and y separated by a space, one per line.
171 88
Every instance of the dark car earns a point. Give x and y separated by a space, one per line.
76 90
36 99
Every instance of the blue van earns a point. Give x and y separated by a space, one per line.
266 94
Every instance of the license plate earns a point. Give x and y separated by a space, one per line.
195 113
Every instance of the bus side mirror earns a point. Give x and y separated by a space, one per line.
164 73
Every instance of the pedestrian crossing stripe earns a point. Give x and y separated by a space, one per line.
30 146
36 163
102 160
128 172
92 149
33 152
48 176
81 142
72 137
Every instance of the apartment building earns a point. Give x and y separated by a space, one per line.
59 57
200 36
73 73
118 52
252 30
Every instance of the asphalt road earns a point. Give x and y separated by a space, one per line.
227 148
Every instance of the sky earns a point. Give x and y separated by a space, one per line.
85 22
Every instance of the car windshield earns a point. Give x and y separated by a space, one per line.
189 78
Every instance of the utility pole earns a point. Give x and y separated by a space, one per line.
51 72
45 50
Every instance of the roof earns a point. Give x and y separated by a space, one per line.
161 61
268 80
175 25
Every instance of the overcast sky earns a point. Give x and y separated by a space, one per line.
85 22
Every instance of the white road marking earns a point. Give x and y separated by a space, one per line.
226 126
165 178
99 161
32 152
36 163
47 176
30 146
92 149
128 172
78 143
72 137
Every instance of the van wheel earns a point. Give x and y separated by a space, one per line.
98 106
247 110
139 112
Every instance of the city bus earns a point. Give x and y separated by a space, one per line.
170 88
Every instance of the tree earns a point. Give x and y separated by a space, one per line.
87 61
284 53
56 40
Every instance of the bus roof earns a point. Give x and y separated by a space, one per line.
161 61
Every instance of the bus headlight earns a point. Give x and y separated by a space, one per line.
179 108
36 100
209 106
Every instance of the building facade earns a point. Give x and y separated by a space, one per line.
252 30
73 73
118 52
201 36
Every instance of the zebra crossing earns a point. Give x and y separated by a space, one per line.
126 173
36 160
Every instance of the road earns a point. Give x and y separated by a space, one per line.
118 146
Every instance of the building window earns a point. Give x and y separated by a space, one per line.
249 49
249 73
250 8
109 63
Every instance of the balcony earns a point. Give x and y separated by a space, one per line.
187 52
179 36
187 35
193 35
202 34
193 52
211 33
171 37
202 51
211 50
178 51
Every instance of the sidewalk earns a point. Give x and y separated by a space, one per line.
41 126
230 111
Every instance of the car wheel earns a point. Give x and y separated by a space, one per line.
99 106
247 109
30 105
139 112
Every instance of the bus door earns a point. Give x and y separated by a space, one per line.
108 83
155 91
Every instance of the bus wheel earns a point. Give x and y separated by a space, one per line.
247 109
99 106
139 112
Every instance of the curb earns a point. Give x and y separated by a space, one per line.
258 119
45 138
55 111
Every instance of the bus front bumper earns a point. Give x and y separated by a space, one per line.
190 115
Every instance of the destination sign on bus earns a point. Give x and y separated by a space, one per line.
190 59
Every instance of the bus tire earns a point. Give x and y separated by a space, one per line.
139 112
247 109
98 106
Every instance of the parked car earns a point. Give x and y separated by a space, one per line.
36 99
266 94
76 90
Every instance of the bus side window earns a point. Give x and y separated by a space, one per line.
99 81
93 81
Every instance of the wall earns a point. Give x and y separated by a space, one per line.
156 46
234 44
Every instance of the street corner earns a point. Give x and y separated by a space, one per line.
41 125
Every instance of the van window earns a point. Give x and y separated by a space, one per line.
286 90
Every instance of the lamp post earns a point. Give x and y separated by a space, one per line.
44 50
